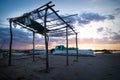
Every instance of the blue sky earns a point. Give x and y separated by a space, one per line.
18 7
98 22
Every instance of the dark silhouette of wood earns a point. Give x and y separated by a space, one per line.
11 37
42 29
67 63
26 27
34 11
76 48
58 28
61 18
47 14
44 5
57 24
46 41
33 46
41 16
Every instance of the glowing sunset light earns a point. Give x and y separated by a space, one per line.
97 24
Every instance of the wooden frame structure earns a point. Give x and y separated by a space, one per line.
28 21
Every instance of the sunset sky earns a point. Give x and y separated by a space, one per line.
98 23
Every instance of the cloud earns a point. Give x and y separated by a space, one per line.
83 18
4 33
109 35
117 11
23 40
20 37
112 37
92 17
116 36
86 18
111 17
100 29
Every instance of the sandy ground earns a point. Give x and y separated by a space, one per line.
101 67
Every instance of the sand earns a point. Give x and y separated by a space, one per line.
101 67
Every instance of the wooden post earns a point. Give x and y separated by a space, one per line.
67 63
10 46
76 48
46 41
33 46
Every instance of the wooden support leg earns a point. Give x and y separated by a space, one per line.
76 48
10 47
67 63
33 46
46 42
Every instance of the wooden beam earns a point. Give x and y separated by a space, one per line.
37 10
25 27
50 13
33 46
57 24
29 13
40 16
46 41
10 46
67 63
58 28
62 19
76 48
44 5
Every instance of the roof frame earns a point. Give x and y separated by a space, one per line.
36 27
42 8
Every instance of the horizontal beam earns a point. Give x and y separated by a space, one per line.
43 6
62 19
34 11
59 18
58 28
57 31
25 27
43 9
40 16
50 13
61 29
58 24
